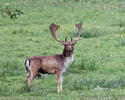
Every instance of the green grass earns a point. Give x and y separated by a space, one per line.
98 70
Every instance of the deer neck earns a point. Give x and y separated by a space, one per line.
67 53
68 59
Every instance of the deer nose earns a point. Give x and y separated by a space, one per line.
70 49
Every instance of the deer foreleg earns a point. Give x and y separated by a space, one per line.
59 81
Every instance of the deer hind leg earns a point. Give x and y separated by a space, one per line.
59 81
28 74
29 79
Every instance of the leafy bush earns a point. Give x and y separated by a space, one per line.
10 12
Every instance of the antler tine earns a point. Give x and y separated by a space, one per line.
53 28
79 26
66 38
71 38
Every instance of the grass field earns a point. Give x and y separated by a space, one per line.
98 70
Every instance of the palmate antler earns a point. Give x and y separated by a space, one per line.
79 26
54 27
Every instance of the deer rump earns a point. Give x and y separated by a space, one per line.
44 64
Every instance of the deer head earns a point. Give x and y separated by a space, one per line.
69 45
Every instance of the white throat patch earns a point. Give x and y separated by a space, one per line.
67 62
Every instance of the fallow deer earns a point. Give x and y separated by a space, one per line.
56 64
